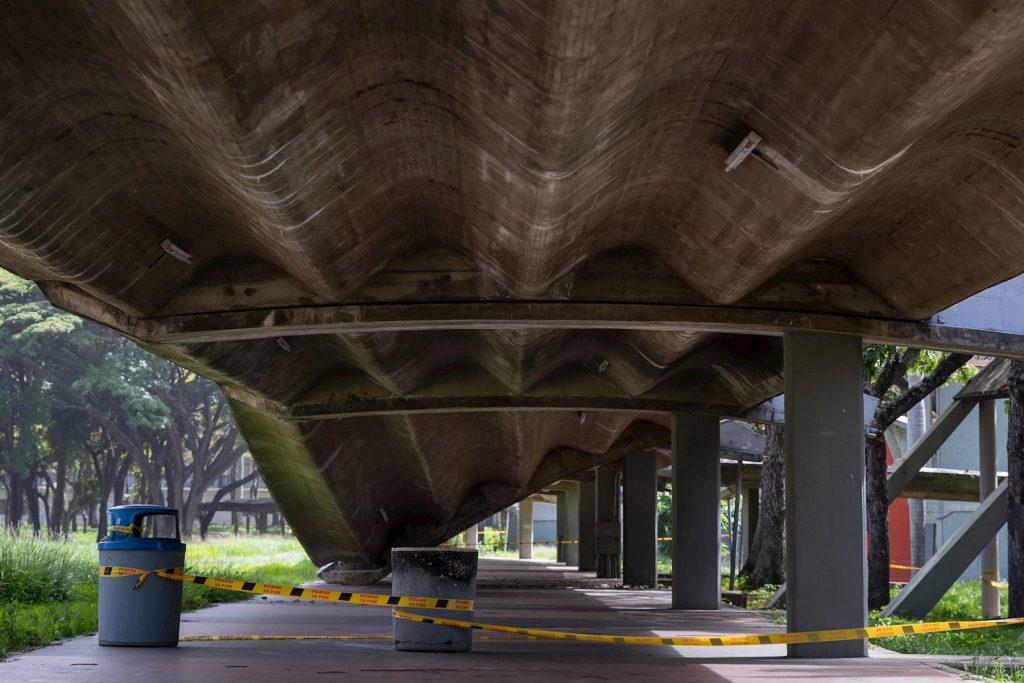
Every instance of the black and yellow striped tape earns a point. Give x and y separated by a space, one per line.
290 591
125 529
796 637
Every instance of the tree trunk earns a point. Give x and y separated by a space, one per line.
766 563
1015 488
58 512
206 518
32 499
15 502
878 521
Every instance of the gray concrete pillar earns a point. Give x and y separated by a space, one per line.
609 534
561 525
572 524
588 520
640 523
696 533
826 550
525 529
470 536
986 485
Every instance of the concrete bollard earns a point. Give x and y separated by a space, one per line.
433 573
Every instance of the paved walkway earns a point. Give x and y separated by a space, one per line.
601 610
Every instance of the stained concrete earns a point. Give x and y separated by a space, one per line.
523 206
605 611
826 555
696 490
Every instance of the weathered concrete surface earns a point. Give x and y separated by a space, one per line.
605 611
826 552
696 525
640 520
441 206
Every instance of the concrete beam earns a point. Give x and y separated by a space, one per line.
826 558
945 567
903 471
773 411
640 522
393 317
696 543
930 483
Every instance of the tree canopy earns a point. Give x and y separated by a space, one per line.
86 415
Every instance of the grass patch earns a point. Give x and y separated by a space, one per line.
996 672
49 587
961 602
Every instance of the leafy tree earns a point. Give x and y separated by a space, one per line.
887 371
82 409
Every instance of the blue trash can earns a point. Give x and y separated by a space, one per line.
141 537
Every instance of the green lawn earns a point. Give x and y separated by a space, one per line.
48 588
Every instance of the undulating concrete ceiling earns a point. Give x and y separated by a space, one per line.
440 254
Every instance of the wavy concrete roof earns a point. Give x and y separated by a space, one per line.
390 211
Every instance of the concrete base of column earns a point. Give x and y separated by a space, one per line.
350 575
433 573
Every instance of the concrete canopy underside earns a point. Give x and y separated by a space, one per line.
397 211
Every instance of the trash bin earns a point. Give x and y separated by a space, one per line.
141 537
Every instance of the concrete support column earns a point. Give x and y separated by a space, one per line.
572 524
696 491
470 536
609 536
525 529
588 520
826 549
640 510
751 508
561 525
986 485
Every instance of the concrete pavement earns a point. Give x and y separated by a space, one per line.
599 610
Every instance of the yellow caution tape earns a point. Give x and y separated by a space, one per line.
997 584
289 591
751 639
903 566
125 529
